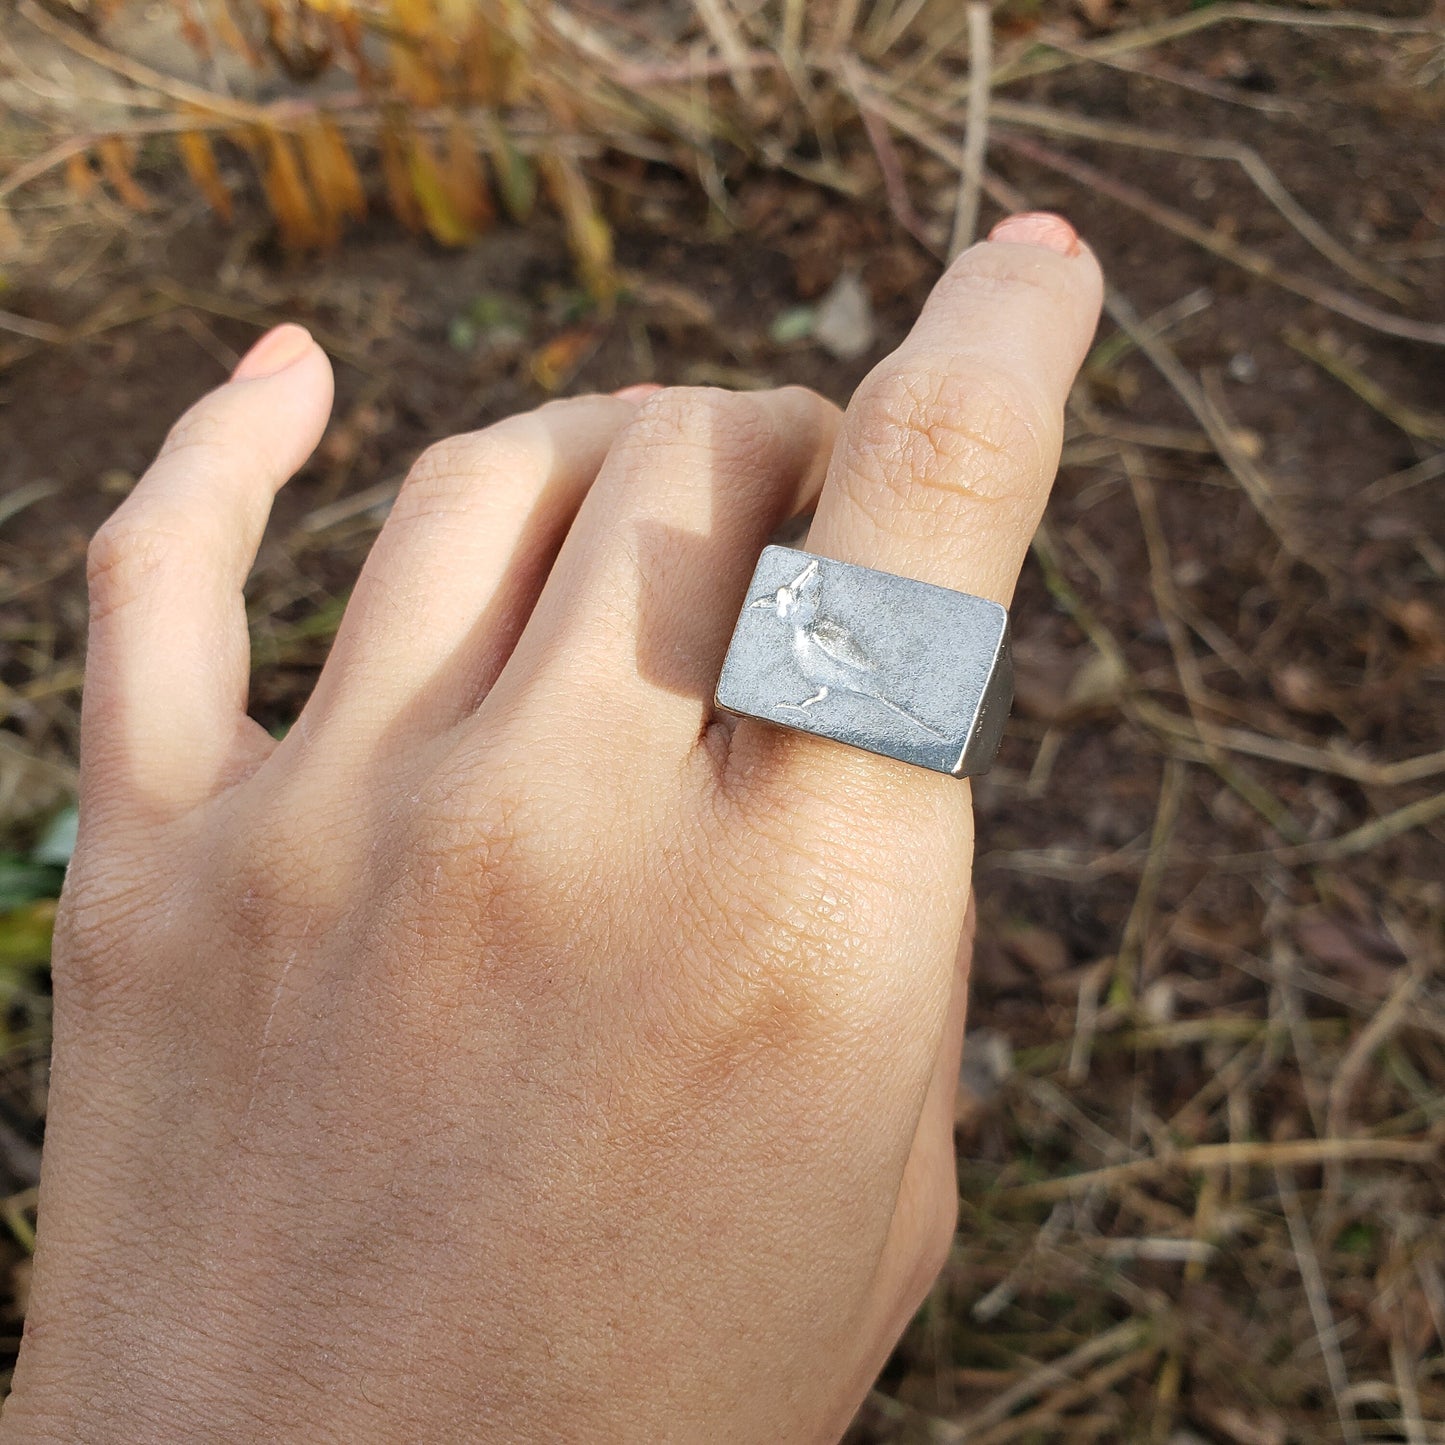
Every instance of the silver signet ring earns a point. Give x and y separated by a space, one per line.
902 668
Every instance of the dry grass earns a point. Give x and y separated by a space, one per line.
1202 1122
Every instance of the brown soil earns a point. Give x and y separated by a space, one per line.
1182 935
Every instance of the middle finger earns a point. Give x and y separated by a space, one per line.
625 643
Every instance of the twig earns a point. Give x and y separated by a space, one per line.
1347 845
136 72
1049 1412
1251 480
1318 984
1249 160
378 496
720 24
1432 333
60 96
975 140
1141 913
907 122
1145 37
348 110
219 305
1086 1017
1189 1116
1285 1003
901 80
1319 1302
1142 709
36 330
791 40
1108 352
1187 80
1402 481
1335 762
1071 865
1121 1338
15 1209
1424 426
1060 1103
1161 583
1371 1038
1408 1390
889 23
998 190
1432 1287
845 21
1378 1032
998 1299
1289 1153
18 498
58 154
895 184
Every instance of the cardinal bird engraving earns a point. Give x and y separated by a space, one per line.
830 658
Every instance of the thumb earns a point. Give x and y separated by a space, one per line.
169 654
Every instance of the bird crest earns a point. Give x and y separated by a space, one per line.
789 598
829 656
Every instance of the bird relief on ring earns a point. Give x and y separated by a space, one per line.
828 655
890 664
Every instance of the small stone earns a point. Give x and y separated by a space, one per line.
988 1060
843 323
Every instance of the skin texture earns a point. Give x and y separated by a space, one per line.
519 1051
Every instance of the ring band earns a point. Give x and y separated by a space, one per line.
884 663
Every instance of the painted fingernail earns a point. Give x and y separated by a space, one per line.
1038 228
638 392
274 352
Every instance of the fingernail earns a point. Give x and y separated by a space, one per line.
274 352
1038 228
638 392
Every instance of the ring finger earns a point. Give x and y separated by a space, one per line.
945 461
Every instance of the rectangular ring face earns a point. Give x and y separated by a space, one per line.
898 667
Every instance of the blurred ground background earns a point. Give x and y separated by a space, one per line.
1202 1112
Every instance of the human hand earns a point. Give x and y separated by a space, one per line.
518 1050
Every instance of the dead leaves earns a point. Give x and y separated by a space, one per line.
291 200
437 80
333 175
117 159
588 234
199 159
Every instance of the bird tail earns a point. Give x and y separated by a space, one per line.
916 721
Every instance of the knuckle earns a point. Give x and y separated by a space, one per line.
466 836
125 556
497 888
562 406
771 986
102 913
279 881
687 419
204 428
1029 277
473 470
952 433
481 854
810 396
